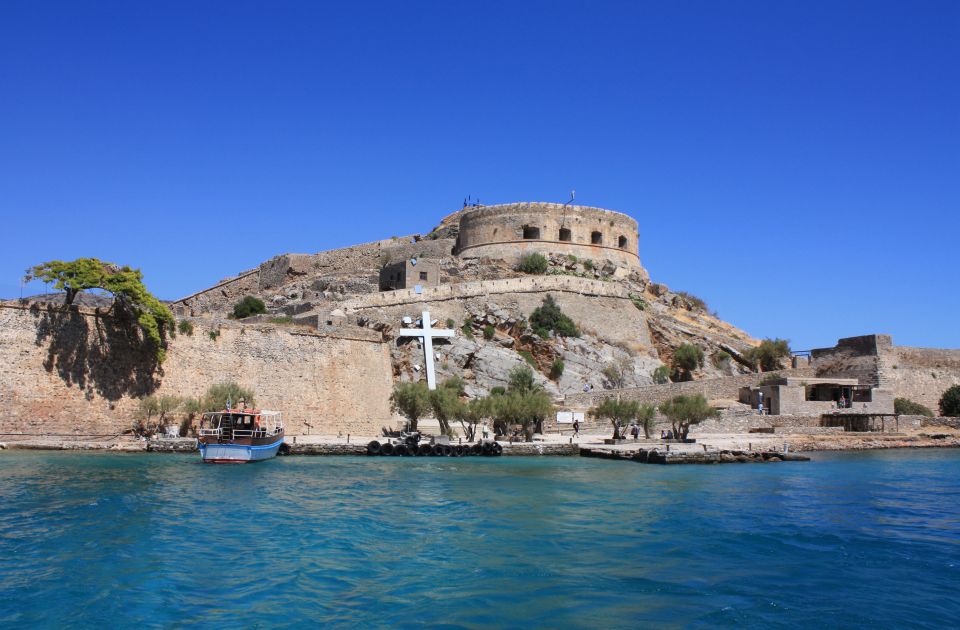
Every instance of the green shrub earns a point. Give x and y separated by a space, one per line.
498 391
719 358
572 258
214 334
467 328
248 306
588 264
661 375
548 316
768 354
528 357
451 323
533 263
185 327
488 332
950 402
639 302
556 369
906 407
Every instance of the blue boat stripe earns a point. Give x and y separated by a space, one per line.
247 446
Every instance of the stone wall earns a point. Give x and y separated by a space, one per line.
727 388
499 232
920 374
76 371
531 284
359 263
853 357
221 296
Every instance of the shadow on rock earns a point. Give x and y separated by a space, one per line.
99 353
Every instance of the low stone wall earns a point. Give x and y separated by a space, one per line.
537 449
743 424
953 423
326 449
535 284
726 388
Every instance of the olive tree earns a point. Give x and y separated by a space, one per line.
446 404
412 401
219 395
684 411
620 413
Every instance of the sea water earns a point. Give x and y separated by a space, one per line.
121 540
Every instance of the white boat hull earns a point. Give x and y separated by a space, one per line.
238 453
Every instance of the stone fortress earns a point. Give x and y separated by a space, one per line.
327 352
509 231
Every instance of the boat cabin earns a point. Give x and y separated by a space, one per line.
232 424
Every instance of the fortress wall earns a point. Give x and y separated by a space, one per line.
220 296
853 357
75 371
529 284
498 232
727 388
922 374
359 261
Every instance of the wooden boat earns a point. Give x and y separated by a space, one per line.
238 436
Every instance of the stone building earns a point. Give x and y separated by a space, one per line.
408 274
918 374
809 396
509 231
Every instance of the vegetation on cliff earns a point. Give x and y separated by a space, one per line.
131 300
533 264
248 306
767 355
686 360
548 318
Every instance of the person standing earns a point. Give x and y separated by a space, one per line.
576 427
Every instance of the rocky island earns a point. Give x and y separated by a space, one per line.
323 342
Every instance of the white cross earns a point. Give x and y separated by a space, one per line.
427 334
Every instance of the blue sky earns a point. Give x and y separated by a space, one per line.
795 164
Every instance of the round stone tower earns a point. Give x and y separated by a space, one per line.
509 231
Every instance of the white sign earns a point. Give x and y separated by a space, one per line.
564 417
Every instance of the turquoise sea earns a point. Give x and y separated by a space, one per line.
114 540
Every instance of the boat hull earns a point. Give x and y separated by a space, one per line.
227 453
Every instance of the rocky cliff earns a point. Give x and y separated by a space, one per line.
629 325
